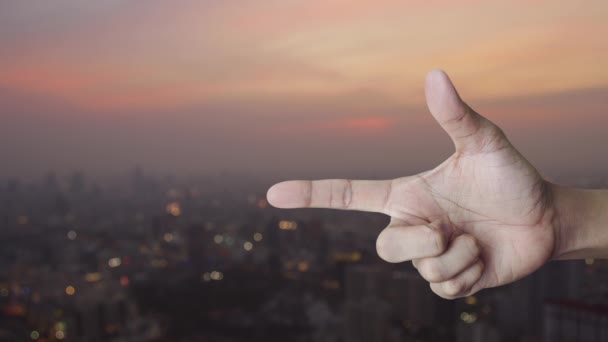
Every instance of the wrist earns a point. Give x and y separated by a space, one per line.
581 222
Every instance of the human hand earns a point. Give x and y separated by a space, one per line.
483 218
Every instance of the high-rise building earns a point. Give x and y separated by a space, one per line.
77 182
567 320
50 182
196 241
477 332
367 319
379 295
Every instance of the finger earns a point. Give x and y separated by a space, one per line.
461 253
470 131
401 243
461 285
361 195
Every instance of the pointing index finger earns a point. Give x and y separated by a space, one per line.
363 195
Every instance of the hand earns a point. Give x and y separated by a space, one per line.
483 218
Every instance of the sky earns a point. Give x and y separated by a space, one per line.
293 88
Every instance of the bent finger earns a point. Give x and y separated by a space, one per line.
461 253
461 285
403 243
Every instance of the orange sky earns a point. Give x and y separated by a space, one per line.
349 72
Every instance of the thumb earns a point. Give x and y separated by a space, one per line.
470 132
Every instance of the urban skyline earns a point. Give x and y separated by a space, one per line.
163 259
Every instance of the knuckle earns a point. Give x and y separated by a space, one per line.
385 249
438 241
387 206
347 194
434 272
470 243
453 287
436 288
431 270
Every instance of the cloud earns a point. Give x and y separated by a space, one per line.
361 134
122 56
291 86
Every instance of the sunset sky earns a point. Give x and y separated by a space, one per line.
293 88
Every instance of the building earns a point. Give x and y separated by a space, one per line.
377 296
569 320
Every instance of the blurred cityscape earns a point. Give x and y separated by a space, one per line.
161 259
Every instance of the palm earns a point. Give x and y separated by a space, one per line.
497 197
482 218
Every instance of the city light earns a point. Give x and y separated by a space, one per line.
72 235
124 281
216 275
258 237
262 204
468 318
60 335
471 300
288 225
247 246
589 261
218 239
348 257
174 209
168 237
92 277
114 262
206 277
70 290
303 266
34 335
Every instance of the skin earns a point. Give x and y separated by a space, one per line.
483 218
